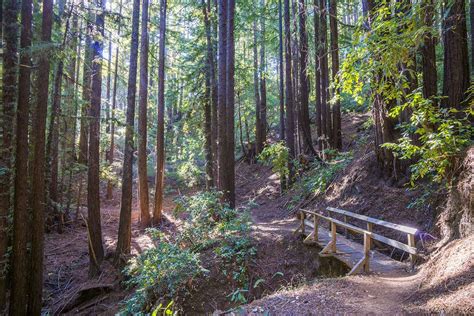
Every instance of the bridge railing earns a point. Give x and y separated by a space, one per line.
367 233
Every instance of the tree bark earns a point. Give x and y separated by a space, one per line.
38 183
10 68
456 59
263 81
229 192
258 120
96 248
86 97
208 102
125 224
160 142
221 95
336 115
281 72
112 115
304 82
142 121
325 107
317 73
290 123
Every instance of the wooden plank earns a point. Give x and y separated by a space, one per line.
394 243
388 241
402 228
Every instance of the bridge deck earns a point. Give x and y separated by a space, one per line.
351 252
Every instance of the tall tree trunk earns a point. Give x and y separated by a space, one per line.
208 102
456 59
325 107
142 121
317 74
86 97
290 123
229 192
38 183
9 86
213 69
160 141
281 72
428 53
295 75
336 113
108 86
263 80
112 115
125 223
52 143
221 95
96 248
304 84
258 120
471 19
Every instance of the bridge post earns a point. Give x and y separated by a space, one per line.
316 228
333 237
411 243
367 242
369 228
302 222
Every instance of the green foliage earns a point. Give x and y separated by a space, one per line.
319 176
276 155
373 65
441 136
165 270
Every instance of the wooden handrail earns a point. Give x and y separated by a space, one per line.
402 228
367 233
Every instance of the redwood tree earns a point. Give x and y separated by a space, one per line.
258 120
336 112
38 182
10 62
96 248
263 81
290 123
142 121
456 59
221 95
281 72
304 81
125 223
160 141
209 91
229 192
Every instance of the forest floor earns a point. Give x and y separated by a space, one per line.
294 281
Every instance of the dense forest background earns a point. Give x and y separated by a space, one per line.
135 102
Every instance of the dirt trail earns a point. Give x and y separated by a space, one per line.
304 291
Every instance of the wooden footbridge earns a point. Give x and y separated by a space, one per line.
359 257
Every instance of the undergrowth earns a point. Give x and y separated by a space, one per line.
319 176
161 273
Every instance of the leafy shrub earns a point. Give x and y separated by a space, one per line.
276 155
319 176
165 270
442 135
